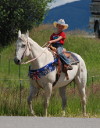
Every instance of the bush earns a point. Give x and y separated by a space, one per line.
20 14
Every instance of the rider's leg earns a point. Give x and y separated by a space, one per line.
63 57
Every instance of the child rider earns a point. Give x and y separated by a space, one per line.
57 40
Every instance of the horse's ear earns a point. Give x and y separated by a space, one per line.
19 33
27 33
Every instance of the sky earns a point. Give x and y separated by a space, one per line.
60 2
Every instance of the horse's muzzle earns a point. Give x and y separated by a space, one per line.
17 61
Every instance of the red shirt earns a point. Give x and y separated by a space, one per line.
55 36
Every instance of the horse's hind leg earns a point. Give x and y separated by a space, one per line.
33 94
81 80
62 92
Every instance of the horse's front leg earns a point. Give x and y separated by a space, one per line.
48 92
62 92
33 94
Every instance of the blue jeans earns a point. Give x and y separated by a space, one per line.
60 53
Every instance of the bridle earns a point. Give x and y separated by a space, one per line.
27 46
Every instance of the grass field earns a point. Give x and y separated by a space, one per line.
14 82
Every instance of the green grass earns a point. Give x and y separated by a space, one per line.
13 96
13 101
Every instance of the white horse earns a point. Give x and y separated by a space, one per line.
42 57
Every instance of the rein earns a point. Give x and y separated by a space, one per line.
37 56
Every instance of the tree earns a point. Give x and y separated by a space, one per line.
20 14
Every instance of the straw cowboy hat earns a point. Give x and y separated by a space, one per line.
61 22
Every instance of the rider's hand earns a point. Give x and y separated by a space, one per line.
49 42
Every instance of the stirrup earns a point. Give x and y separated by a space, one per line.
68 67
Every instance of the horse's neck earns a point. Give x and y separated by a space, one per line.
43 56
35 48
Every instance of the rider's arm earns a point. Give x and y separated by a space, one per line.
56 40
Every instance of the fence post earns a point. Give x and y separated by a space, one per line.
9 66
20 91
92 83
74 87
19 71
0 59
20 83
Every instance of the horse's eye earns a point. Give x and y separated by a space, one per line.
23 46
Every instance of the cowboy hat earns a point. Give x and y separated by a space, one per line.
61 22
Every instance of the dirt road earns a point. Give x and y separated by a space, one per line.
50 122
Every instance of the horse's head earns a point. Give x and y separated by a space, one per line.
22 47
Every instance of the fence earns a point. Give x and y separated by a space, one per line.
14 87
8 68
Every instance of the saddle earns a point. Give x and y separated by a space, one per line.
61 67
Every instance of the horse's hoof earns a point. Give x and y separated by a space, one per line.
45 116
49 115
85 115
63 113
33 114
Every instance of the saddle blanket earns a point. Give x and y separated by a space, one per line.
73 59
36 74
